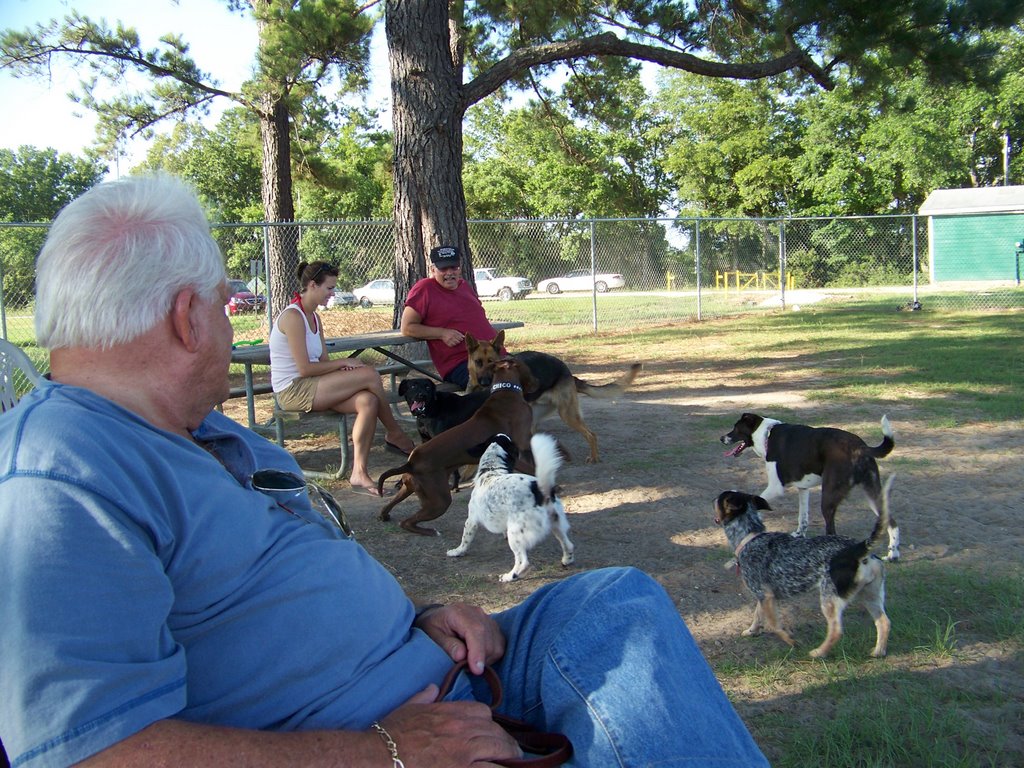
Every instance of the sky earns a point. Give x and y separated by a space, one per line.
222 44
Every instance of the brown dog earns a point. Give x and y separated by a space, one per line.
430 465
557 388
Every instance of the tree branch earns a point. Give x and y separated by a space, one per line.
607 44
36 59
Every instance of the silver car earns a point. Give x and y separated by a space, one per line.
380 291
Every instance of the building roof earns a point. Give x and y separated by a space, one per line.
974 200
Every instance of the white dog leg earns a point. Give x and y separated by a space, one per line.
804 516
521 565
468 533
561 532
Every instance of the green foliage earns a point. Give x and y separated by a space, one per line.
731 146
34 185
223 164
351 179
589 151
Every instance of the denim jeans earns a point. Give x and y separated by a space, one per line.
604 658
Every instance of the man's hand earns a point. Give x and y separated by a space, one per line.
451 337
451 733
465 632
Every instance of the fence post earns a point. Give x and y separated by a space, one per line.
782 262
3 304
913 248
593 273
696 260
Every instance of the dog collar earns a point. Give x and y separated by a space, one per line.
505 385
746 540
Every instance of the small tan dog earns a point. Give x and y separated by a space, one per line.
556 390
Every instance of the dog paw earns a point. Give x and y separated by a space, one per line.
730 564
457 552
505 578
800 533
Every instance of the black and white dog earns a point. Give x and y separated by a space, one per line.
775 566
525 508
808 457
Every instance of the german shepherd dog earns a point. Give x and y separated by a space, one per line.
557 387
775 566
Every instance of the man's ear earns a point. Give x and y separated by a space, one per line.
184 318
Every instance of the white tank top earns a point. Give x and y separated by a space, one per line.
283 370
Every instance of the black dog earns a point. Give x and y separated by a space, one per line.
437 411
775 566
807 457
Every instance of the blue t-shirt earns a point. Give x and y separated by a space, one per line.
142 578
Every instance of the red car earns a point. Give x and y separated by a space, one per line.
243 300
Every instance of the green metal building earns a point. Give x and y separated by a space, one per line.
973 233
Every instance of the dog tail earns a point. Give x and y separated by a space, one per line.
391 473
547 458
608 391
845 566
885 447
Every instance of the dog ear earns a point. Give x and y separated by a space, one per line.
499 341
760 503
403 387
471 343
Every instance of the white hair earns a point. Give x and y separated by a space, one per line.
116 257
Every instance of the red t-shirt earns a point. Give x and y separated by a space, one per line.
459 309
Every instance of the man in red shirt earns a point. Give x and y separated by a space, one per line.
442 309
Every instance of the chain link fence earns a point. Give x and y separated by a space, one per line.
611 274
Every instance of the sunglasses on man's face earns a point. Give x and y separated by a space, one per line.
286 487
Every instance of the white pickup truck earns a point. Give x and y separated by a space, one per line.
489 285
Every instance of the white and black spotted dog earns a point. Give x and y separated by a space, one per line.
523 507
775 566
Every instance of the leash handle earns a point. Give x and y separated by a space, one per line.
548 749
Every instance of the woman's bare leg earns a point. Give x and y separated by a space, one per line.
339 386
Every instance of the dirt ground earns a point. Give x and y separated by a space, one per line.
957 498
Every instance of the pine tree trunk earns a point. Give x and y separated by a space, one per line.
427 112
278 206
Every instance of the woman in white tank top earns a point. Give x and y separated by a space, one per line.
305 378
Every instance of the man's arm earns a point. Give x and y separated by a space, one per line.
412 325
452 734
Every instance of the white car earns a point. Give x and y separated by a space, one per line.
380 291
580 280
489 284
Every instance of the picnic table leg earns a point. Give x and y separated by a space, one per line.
250 397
